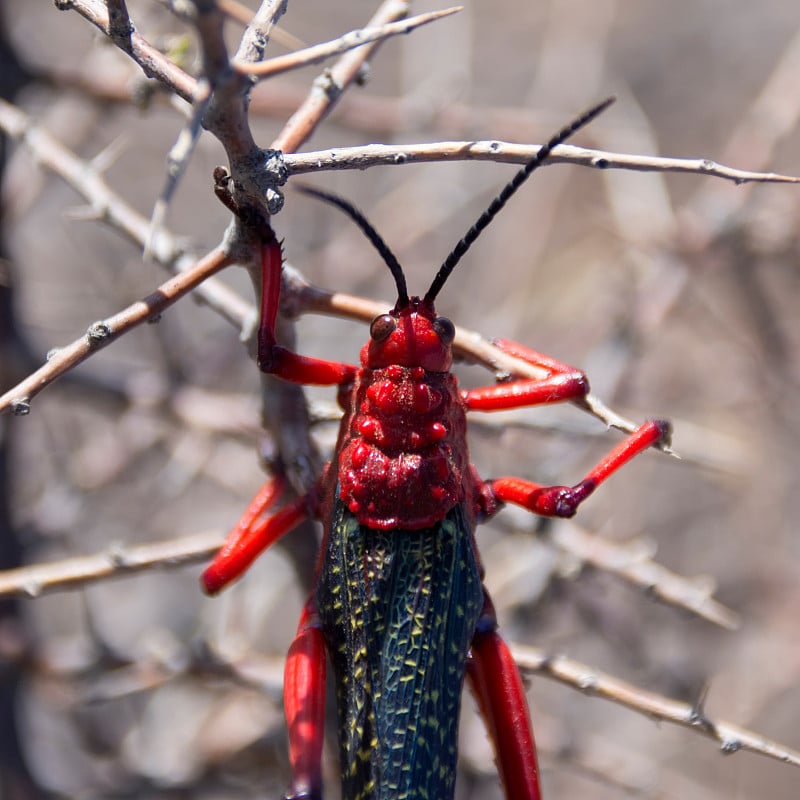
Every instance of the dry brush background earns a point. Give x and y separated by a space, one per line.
677 293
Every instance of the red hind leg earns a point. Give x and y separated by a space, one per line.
304 705
496 683
563 501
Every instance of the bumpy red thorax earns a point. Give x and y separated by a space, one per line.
403 463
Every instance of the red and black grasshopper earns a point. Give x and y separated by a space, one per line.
399 605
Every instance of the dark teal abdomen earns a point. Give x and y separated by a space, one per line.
399 610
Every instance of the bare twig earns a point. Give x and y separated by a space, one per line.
328 88
117 560
244 15
590 681
630 561
154 64
633 562
105 331
107 206
349 41
363 157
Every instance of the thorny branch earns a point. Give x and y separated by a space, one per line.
104 332
321 52
731 738
363 157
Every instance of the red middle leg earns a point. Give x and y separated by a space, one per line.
496 683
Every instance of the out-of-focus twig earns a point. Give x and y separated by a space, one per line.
107 206
633 562
117 560
328 88
349 41
731 738
105 331
154 63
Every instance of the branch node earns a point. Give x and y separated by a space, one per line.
117 555
275 166
98 332
21 407
730 746
274 200
328 85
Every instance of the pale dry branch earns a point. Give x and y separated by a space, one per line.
153 63
365 156
115 561
349 41
633 562
327 89
586 679
107 206
241 13
102 333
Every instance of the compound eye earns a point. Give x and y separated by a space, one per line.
382 327
445 329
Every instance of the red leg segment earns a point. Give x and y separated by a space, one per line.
563 383
253 534
304 704
563 501
278 360
496 683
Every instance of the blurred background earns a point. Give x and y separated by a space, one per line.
677 294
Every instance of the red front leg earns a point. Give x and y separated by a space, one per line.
253 534
273 358
563 383
304 704
563 501
496 683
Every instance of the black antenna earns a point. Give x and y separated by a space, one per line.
497 204
370 232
